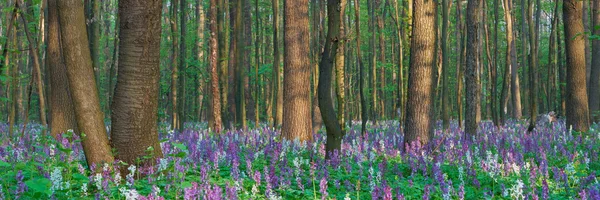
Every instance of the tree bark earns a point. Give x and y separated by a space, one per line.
472 79
135 107
174 67
576 95
213 63
446 5
278 82
82 83
297 123
594 98
61 103
363 102
420 102
330 57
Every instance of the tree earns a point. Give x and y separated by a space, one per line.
511 59
297 122
216 124
576 94
363 102
329 57
277 85
472 80
594 98
533 62
135 106
419 105
446 4
82 83
174 67
61 103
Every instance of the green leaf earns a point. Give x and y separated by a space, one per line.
180 146
186 184
41 185
4 164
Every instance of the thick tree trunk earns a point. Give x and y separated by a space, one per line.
82 82
135 107
420 102
61 104
296 99
576 95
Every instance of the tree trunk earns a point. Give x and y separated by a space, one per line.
446 5
331 55
182 65
135 108
594 86
510 61
296 99
82 82
533 62
200 46
61 104
174 67
38 71
212 59
363 104
460 62
420 102
278 82
472 80
576 95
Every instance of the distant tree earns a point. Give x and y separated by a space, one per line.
533 64
174 67
217 123
510 62
594 98
420 102
135 106
472 79
363 102
446 4
82 83
576 94
297 123
277 80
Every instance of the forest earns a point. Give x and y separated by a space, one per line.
299 99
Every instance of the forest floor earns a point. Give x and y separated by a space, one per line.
508 163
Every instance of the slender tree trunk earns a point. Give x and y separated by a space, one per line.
200 46
510 60
361 79
400 93
594 87
420 102
61 112
38 71
586 28
297 123
182 65
174 67
213 62
460 62
82 84
339 65
278 82
329 58
576 95
533 62
446 6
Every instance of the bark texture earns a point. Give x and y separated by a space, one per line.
419 105
472 79
82 82
135 107
61 104
576 95
297 122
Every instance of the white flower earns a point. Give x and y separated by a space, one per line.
162 164
84 189
347 197
56 178
98 180
516 191
131 194
117 178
